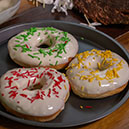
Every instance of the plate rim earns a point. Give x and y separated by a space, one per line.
39 124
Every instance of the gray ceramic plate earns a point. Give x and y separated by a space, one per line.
72 115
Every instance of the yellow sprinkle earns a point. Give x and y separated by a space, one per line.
85 67
93 72
119 68
98 65
115 73
114 59
81 71
71 71
98 77
83 77
73 65
81 107
78 75
74 78
79 65
89 64
99 83
82 88
67 68
91 79
65 87
64 74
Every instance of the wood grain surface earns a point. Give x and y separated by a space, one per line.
119 119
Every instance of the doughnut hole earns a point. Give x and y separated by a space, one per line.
43 84
47 43
97 63
37 86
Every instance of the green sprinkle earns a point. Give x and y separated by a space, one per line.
51 42
42 29
58 56
18 37
18 45
64 39
42 52
82 38
15 49
17 41
48 36
51 28
51 64
40 63
46 33
50 52
57 37
24 48
34 56
39 34
41 41
36 53
56 63
52 32
65 33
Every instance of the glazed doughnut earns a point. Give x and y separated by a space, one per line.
25 48
34 93
97 74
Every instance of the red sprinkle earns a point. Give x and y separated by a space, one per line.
13 94
49 93
19 70
27 46
2 94
16 79
34 80
66 41
14 87
28 83
23 95
88 106
49 74
54 50
41 74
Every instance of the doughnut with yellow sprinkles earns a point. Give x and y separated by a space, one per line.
97 74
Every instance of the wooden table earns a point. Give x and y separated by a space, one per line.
119 119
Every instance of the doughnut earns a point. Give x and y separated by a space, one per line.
47 46
37 94
97 74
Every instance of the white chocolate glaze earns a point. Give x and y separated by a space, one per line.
17 90
25 49
97 72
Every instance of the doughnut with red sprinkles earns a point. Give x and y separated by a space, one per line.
36 92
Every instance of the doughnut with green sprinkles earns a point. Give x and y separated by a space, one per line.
61 46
